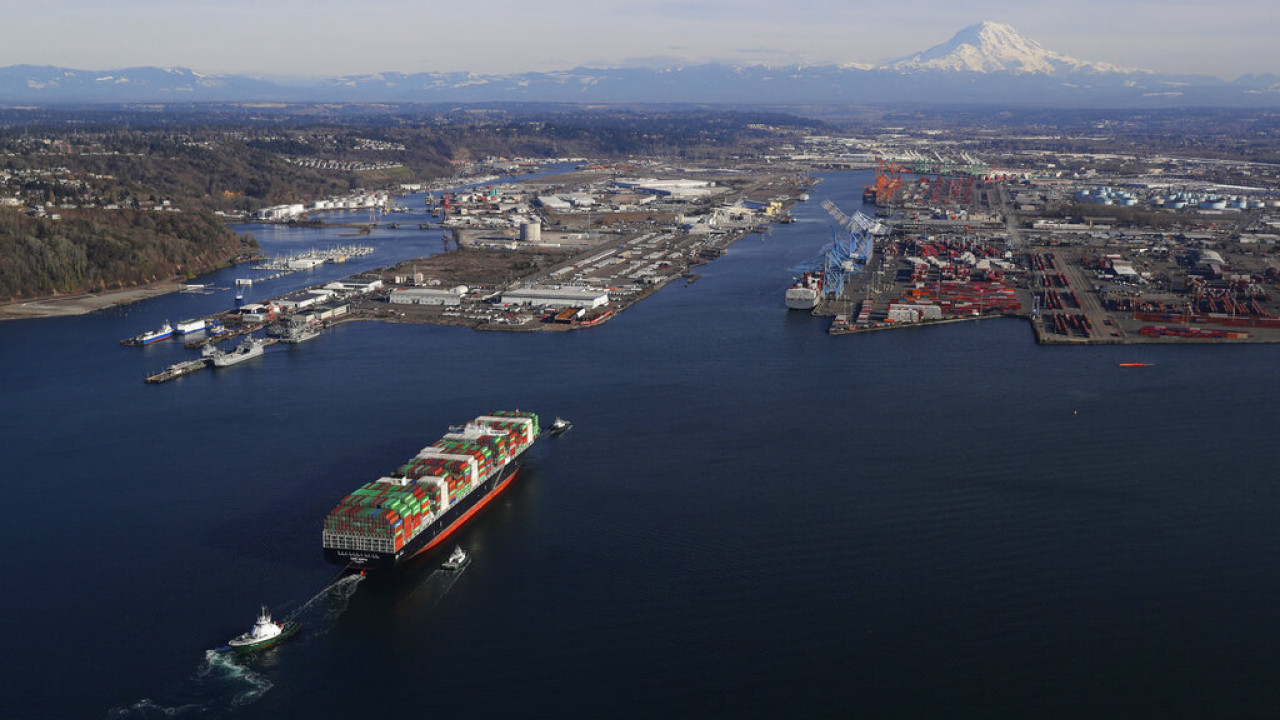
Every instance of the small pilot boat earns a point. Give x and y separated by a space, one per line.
560 426
457 559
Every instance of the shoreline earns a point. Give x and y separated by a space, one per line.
83 303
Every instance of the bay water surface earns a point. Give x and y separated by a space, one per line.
749 519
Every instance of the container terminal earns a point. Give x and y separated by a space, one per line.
959 248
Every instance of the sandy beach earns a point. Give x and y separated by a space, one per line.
60 305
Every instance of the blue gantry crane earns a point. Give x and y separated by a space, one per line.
853 244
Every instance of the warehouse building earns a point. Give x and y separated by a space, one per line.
587 298
427 296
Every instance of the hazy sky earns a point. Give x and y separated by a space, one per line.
332 37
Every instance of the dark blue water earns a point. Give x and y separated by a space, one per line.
750 518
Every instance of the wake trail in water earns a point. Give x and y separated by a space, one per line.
437 585
219 684
334 598
340 589
451 577
225 681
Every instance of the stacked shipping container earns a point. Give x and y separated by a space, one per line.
384 516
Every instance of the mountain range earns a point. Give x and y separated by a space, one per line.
986 63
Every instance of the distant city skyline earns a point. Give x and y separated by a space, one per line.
291 38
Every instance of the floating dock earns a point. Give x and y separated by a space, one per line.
177 370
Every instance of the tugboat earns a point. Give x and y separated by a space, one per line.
457 559
560 426
264 634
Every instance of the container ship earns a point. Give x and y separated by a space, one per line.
806 292
386 522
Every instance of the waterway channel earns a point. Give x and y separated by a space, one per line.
750 518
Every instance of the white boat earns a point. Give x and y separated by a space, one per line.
559 426
264 634
457 559
248 348
151 336
190 326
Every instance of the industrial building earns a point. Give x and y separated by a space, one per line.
587 298
428 296
675 189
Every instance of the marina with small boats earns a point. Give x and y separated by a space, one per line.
310 258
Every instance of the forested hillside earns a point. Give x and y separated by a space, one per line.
94 250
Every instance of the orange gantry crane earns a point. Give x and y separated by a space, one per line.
888 181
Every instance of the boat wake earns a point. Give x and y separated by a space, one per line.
449 578
222 671
147 708
225 682
428 592
340 589
334 598
220 685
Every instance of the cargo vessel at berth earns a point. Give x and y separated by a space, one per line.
806 292
248 349
386 522
146 338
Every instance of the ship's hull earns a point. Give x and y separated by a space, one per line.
153 336
300 337
802 299
189 326
436 532
235 357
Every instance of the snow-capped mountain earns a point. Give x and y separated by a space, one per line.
990 47
988 63
146 84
